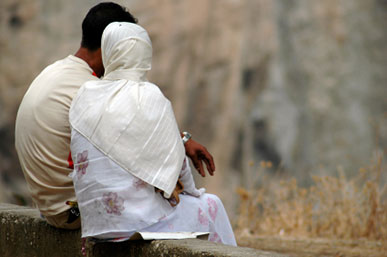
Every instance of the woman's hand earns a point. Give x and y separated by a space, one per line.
198 154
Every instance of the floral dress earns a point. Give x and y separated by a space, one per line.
114 203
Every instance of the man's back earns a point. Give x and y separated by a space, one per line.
43 133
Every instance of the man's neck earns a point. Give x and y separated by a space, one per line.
92 58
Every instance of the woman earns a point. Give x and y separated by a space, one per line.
128 153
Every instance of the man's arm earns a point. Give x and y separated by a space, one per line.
198 154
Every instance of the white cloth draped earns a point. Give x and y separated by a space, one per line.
126 117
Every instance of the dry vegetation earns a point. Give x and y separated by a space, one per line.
334 207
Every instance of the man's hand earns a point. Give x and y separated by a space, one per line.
199 153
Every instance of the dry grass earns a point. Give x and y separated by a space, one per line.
333 207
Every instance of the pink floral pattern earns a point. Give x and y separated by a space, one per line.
202 217
184 164
212 208
114 204
139 184
82 163
214 237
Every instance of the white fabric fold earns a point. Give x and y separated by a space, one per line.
126 117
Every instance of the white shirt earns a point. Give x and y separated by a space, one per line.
42 135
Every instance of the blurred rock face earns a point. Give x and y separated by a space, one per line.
298 83
328 78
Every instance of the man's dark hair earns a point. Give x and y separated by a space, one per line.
97 20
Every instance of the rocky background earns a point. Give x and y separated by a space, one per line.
300 84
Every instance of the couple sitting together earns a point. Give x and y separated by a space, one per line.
130 171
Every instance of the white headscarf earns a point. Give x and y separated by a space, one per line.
126 117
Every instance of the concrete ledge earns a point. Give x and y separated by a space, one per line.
23 233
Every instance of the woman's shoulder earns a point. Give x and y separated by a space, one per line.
152 88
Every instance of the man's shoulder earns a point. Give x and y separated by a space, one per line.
69 65
68 70
56 84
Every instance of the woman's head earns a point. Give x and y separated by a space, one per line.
126 47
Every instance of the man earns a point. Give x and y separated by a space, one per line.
42 136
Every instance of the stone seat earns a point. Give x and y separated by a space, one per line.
23 233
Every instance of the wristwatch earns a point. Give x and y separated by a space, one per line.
186 137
